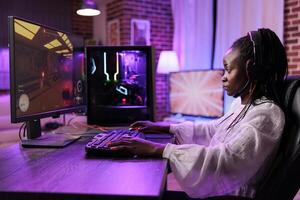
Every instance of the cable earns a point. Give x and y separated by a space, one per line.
69 121
25 130
64 119
100 128
20 130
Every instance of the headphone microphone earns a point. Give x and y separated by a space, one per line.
242 90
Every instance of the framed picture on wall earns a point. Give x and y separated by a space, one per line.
113 32
140 32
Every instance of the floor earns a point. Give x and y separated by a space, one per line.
9 137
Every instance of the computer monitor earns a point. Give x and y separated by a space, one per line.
47 77
197 93
120 84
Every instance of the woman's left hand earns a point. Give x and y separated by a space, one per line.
138 146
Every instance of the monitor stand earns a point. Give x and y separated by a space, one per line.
36 139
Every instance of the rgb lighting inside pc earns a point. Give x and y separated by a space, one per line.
120 80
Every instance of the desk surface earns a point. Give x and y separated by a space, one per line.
31 173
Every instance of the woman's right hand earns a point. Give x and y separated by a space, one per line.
149 126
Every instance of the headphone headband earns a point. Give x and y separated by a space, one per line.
256 39
250 33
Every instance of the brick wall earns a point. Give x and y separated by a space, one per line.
81 25
159 14
292 34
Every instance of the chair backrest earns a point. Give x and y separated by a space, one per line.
283 181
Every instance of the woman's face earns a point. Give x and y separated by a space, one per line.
235 76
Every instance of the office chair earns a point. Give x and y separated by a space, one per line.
282 181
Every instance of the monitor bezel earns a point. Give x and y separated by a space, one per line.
191 115
13 103
150 80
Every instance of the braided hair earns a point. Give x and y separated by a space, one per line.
267 70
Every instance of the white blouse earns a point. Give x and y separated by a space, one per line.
212 160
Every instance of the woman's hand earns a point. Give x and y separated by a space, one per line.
148 126
138 146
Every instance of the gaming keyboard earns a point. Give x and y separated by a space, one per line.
98 145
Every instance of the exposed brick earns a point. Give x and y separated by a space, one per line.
291 67
291 16
296 47
295 22
159 13
291 41
295 9
291 3
292 35
295 73
81 25
291 28
296 35
292 54
296 60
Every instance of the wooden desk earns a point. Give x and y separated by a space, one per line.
67 174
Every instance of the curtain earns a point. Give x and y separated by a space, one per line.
4 69
193 29
236 17
193 33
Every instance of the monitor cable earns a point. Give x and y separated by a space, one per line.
22 128
99 128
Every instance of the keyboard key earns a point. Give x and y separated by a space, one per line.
98 146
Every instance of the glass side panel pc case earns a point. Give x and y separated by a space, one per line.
197 93
47 73
120 84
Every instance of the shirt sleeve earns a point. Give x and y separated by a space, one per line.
204 171
193 132
199 132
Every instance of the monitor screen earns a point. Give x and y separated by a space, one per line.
120 84
47 71
197 93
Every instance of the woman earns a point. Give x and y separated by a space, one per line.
228 156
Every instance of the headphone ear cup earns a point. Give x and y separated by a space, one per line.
256 71
250 67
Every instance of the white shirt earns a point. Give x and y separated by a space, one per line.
212 160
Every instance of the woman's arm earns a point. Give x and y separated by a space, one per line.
225 167
200 132
138 146
149 126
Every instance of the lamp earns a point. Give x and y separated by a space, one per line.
168 62
88 8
